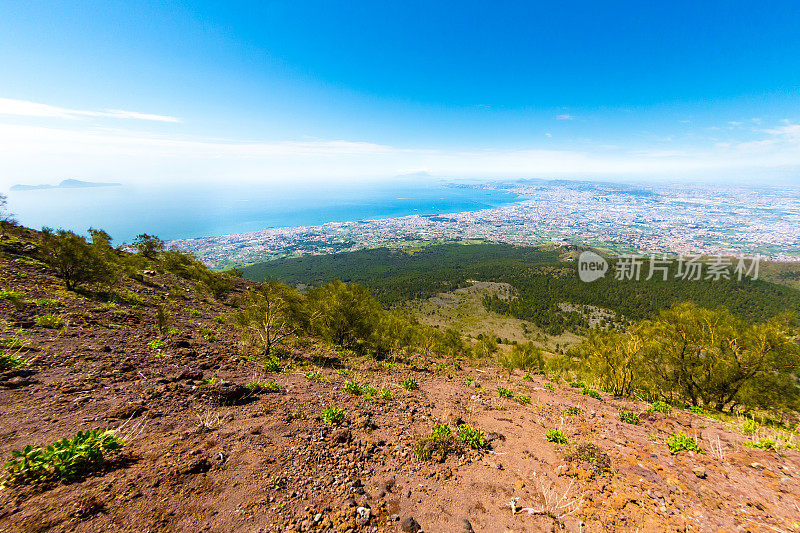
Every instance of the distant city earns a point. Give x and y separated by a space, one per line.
681 219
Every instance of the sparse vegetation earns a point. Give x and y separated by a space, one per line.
572 410
591 453
385 394
556 436
352 387
273 364
503 392
679 442
49 322
438 444
209 335
629 417
660 407
315 375
156 344
472 437
334 416
64 460
523 399
268 386
410 384
523 356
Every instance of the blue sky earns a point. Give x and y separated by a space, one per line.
260 91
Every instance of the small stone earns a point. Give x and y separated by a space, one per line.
466 527
699 471
409 525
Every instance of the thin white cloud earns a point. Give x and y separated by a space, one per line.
565 116
25 108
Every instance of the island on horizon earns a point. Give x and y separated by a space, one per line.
65 184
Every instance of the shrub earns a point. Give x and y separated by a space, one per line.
49 321
591 453
345 314
78 262
15 298
270 386
269 315
472 437
156 344
334 416
660 407
549 386
45 302
64 460
352 387
696 409
9 361
385 394
523 399
750 426
439 443
679 442
345 372
592 393
525 356
527 377
315 375
369 393
556 436
629 417
572 411
410 384
272 364
577 384
503 392
209 335
763 444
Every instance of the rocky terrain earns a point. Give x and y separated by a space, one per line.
205 453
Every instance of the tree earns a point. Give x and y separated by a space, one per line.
344 314
76 261
616 359
269 314
6 218
148 245
525 356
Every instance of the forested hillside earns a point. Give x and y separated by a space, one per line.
541 282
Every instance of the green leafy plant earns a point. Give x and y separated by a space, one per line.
315 375
577 384
472 437
352 387
269 386
503 392
750 426
209 335
272 364
49 321
629 417
592 393
334 416
9 361
556 436
156 344
763 444
679 442
275 482
410 384
439 443
524 399
660 407
369 393
64 460
549 386
345 372
46 302
15 298
385 394
572 410
696 409
527 377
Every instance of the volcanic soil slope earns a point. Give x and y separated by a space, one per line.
205 453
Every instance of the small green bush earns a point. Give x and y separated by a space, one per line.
572 411
385 394
592 393
15 298
269 386
523 399
352 387
410 384
679 442
334 416
156 344
49 322
763 444
345 372
472 437
209 335
660 407
45 302
696 409
315 375
272 364
369 393
556 436
527 377
439 443
9 361
629 417
750 426
64 460
577 384
549 386
503 392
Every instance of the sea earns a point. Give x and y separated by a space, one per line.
186 211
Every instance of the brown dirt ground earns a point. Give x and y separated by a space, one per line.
177 474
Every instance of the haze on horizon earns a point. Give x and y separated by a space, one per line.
267 92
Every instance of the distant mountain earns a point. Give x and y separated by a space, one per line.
66 184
